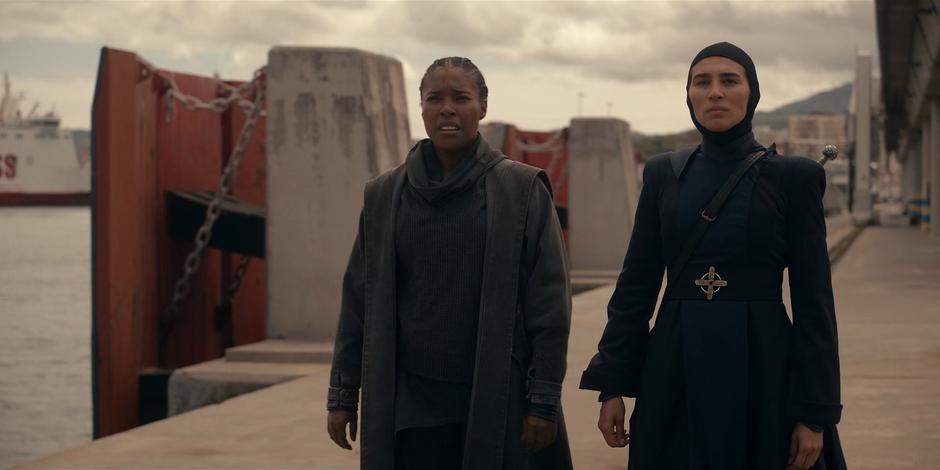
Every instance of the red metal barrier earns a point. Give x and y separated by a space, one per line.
545 150
138 155
249 304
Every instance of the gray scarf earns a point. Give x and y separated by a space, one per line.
424 169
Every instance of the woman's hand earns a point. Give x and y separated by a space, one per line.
805 447
538 433
611 423
336 422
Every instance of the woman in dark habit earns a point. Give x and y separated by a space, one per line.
456 302
724 380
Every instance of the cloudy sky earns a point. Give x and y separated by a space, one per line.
537 56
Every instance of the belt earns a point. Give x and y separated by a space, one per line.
728 282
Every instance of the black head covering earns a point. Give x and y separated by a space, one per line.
735 53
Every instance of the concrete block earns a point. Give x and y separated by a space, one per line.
603 192
336 118
244 369
282 351
211 383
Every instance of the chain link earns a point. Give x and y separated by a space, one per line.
204 234
218 105
237 279
223 311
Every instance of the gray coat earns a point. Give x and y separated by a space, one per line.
522 339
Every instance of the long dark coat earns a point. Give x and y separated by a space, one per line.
793 369
522 339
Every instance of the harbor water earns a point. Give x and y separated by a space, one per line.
45 331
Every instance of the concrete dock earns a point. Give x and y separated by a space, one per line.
887 289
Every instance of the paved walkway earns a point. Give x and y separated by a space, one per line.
888 302
888 306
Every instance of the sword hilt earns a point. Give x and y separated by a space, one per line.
829 153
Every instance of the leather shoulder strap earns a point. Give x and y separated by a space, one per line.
709 215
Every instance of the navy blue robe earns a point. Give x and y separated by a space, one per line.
721 383
714 333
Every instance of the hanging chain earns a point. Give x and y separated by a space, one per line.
218 105
194 259
223 312
237 279
553 145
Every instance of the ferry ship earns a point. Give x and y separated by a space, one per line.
41 164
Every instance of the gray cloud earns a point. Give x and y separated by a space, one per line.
630 41
625 41
461 25
623 47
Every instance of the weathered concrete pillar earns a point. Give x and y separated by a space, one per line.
934 174
336 118
911 173
925 156
494 133
861 200
602 193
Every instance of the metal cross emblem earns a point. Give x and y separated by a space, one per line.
709 284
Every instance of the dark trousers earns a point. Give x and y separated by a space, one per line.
432 448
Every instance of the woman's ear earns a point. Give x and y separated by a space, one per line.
482 110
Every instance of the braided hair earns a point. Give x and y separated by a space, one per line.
461 63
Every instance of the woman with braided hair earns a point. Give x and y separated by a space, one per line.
456 302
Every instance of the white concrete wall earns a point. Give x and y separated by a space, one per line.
934 174
603 188
861 200
336 118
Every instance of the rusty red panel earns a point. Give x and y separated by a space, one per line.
248 305
190 159
545 150
139 154
146 204
509 144
124 235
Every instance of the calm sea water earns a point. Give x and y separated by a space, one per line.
45 331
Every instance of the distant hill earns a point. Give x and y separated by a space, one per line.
649 145
835 100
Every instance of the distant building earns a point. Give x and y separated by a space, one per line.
767 135
809 134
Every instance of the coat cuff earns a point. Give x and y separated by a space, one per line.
543 392
817 428
607 383
816 413
547 412
343 393
342 399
